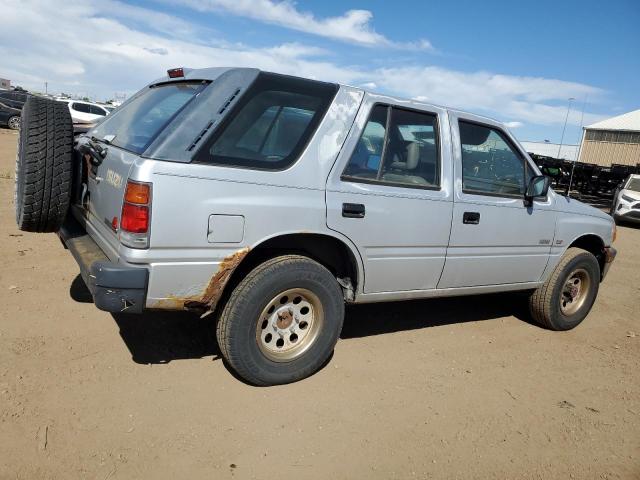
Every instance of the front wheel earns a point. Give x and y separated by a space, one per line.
566 298
282 321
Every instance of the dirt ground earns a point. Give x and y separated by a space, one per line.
449 388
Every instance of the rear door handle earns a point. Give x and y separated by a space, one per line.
471 218
353 210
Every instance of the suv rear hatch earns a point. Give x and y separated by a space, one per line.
119 141
163 121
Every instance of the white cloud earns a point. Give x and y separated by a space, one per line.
514 124
354 26
509 95
42 42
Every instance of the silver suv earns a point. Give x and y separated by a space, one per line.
270 201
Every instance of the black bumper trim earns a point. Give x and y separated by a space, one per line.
114 287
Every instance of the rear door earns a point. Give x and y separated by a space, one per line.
390 193
495 238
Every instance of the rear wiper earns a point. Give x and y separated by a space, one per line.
102 140
95 151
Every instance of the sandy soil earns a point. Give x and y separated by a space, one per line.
458 388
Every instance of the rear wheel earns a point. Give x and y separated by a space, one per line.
281 323
43 165
566 298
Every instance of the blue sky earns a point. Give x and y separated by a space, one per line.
515 61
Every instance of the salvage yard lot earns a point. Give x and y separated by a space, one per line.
450 388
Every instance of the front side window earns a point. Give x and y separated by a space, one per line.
271 124
95 110
490 165
137 124
397 146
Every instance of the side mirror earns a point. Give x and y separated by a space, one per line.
538 188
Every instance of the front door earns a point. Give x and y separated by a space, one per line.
390 193
495 237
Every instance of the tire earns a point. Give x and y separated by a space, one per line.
43 165
14 122
243 336
552 305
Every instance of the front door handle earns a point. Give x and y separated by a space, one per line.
471 218
353 210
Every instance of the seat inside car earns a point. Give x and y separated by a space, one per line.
406 170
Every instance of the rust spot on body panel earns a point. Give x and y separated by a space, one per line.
209 298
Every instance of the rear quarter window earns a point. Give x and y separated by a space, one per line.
271 124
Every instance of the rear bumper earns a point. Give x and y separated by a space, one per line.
114 287
609 256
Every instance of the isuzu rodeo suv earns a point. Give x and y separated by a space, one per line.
270 201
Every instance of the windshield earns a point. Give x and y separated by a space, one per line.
137 124
634 184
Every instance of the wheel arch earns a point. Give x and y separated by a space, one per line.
593 244
334 253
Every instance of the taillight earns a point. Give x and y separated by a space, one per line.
137 193
135 218
136 215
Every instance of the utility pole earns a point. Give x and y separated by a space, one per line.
573 167
46 86
565 125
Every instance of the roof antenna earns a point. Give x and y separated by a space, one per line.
573 167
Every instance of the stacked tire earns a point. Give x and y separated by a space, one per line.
43 165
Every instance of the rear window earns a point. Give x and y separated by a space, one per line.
271 124
137 124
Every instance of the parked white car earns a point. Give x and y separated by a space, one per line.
85 112
626 203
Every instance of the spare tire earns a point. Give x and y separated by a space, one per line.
43 165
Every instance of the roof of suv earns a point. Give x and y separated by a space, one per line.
213 73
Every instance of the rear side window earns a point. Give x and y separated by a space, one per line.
271 124
134 126
397 147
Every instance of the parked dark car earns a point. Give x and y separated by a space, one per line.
11 103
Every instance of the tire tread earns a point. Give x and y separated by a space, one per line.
43 165
541 302
242 294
